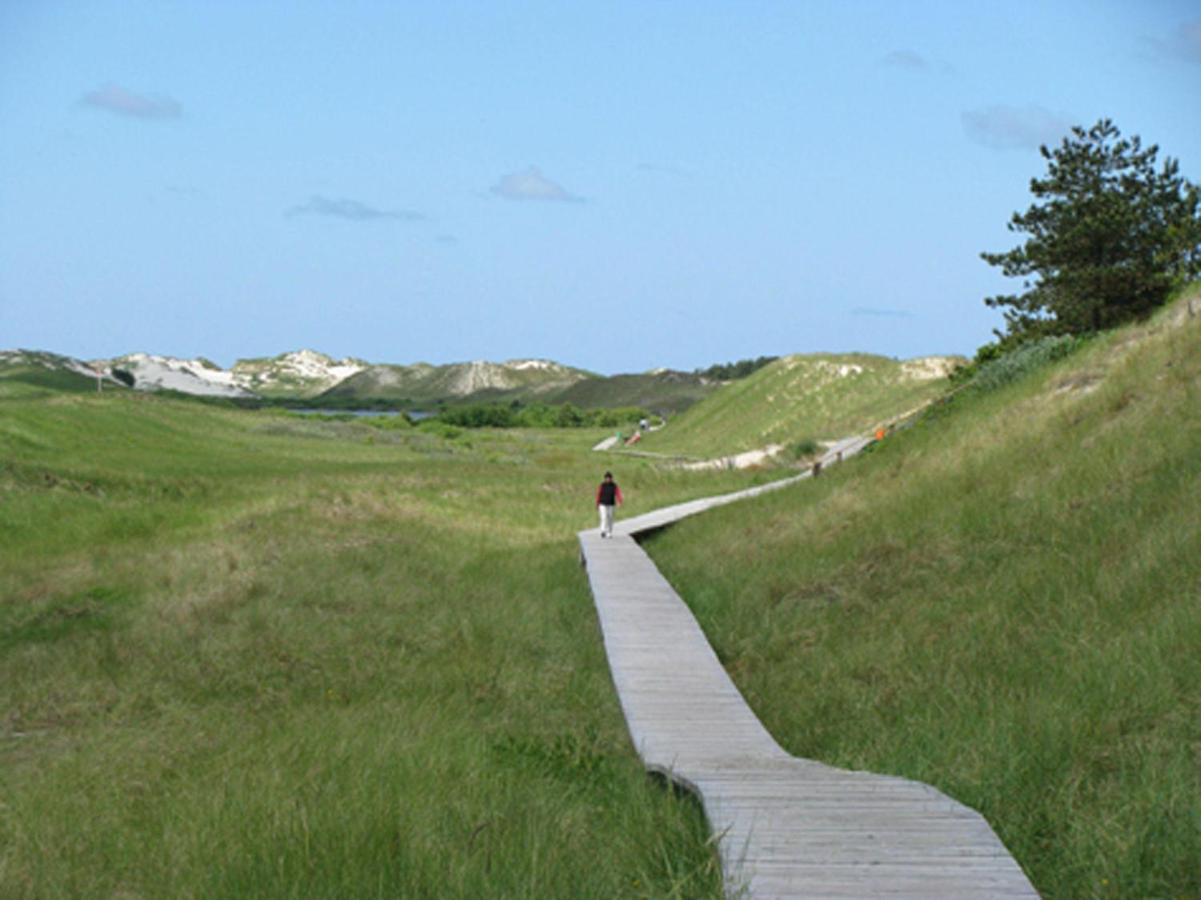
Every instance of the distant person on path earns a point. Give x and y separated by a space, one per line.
608 495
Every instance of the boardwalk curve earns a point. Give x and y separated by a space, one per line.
786 827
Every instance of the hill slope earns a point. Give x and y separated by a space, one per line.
1002 601
25 372
526 379
199 377
301 373
818 396
663 391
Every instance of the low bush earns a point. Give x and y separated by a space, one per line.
804 449
1009 367
537 415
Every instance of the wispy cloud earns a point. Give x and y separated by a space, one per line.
352 210
117 100
905 59
1015 128
876 312
531 184
1184 43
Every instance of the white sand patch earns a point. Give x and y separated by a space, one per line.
928 368
837 370
188 376
317 369
542 364
821 367
738 461
479 375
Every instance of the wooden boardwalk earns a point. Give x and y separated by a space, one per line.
787 827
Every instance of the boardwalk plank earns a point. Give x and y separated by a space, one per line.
786 827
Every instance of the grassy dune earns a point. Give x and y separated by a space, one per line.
1004 601
35 381
249 654
795 398
661 392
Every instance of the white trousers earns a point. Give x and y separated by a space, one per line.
606 518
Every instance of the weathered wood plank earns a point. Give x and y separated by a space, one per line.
787 827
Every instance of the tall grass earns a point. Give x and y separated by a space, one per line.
1004 601
246 654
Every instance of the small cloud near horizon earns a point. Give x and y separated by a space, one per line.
531 184
1002 127
117 100
877 312
352 210
905 59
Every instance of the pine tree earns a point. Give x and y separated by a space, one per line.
1110 237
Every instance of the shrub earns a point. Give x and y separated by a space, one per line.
735 370
1003 370
537 415
440 428
804 449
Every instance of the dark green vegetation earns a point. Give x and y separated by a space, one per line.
1003 600
538 415
249 654
1110 237
735 370
820 396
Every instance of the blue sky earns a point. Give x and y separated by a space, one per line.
617 186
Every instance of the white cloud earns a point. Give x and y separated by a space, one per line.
531 184
121 102
906 59
352 210
1015 128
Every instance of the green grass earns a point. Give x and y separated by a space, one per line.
660 392
1003 601
248 654
34 381
795 398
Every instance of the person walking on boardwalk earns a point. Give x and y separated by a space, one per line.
608 495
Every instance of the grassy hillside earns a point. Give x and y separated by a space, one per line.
299 374
1004 601
250 654
669 392
423 383
32 373
819 396
664 392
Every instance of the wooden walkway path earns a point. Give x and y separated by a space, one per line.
787 827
